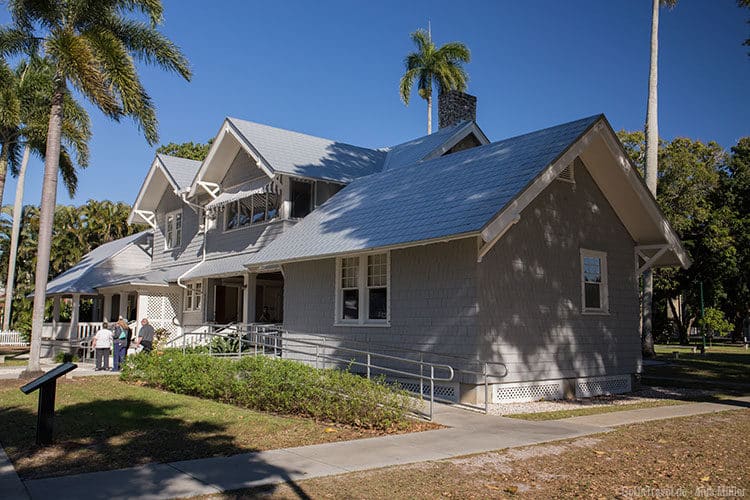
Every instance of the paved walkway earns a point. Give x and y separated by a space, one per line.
469 433
83 370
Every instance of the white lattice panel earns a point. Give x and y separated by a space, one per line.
162 309
588 387
444 392
532 391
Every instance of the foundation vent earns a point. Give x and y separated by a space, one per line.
442 392
524 392
586 388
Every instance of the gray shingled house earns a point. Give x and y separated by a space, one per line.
524 252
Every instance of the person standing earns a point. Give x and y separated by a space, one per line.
102 343
146 336
121 332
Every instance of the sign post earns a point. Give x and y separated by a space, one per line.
47 385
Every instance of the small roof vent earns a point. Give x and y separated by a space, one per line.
567 175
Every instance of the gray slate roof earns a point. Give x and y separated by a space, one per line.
412 151
225 264
448 196
304 155
87 274
181 170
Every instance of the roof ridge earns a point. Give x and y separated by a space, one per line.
302 134
164 155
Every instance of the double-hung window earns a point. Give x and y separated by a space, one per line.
594 290
362 286
173 230
193 296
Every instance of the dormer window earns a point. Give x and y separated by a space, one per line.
173 230
254 209
302 196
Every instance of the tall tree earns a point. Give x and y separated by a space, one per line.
442 66
31 86
92 45
190 150
651 170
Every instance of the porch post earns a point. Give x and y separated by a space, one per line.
55 314
123 305
73 334
250 281
286 200
107 306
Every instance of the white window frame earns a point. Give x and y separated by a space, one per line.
603 286
265 220
193 299
171 227
364 296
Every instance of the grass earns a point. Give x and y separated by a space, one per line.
103 423
721 367
14 362
593 410
654 459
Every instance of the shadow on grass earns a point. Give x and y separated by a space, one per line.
116 434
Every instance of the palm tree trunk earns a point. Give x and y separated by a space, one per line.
46 220
652 151
4 153
15 231
429 114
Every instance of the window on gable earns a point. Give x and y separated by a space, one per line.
251 210
594 291
173 230
193 296
362 289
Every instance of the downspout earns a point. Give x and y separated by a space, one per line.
183 195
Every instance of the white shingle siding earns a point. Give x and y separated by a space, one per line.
520 305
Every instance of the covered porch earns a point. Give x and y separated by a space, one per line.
78 316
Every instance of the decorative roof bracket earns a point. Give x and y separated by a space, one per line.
647 255
211 188
148 216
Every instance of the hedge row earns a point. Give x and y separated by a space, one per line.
274 385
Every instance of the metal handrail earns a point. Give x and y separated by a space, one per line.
486 369
262 339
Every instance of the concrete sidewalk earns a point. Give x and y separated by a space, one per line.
469 433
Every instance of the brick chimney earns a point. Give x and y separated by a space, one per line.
454 107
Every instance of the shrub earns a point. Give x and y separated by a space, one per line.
275 385
715 322
65 357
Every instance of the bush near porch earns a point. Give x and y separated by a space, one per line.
275 385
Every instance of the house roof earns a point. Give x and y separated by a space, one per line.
422 148
459 195
181 170
166 171
226 264
303 155
89 273
467 193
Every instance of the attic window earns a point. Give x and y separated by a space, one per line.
567 174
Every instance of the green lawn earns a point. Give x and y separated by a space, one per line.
102 423
721 366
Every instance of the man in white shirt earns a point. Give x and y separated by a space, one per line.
102 343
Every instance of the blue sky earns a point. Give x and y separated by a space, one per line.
332 69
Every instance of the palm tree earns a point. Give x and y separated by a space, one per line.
651 171
443 66
92 45
30 85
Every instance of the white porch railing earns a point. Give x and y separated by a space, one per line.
61 331
12 339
